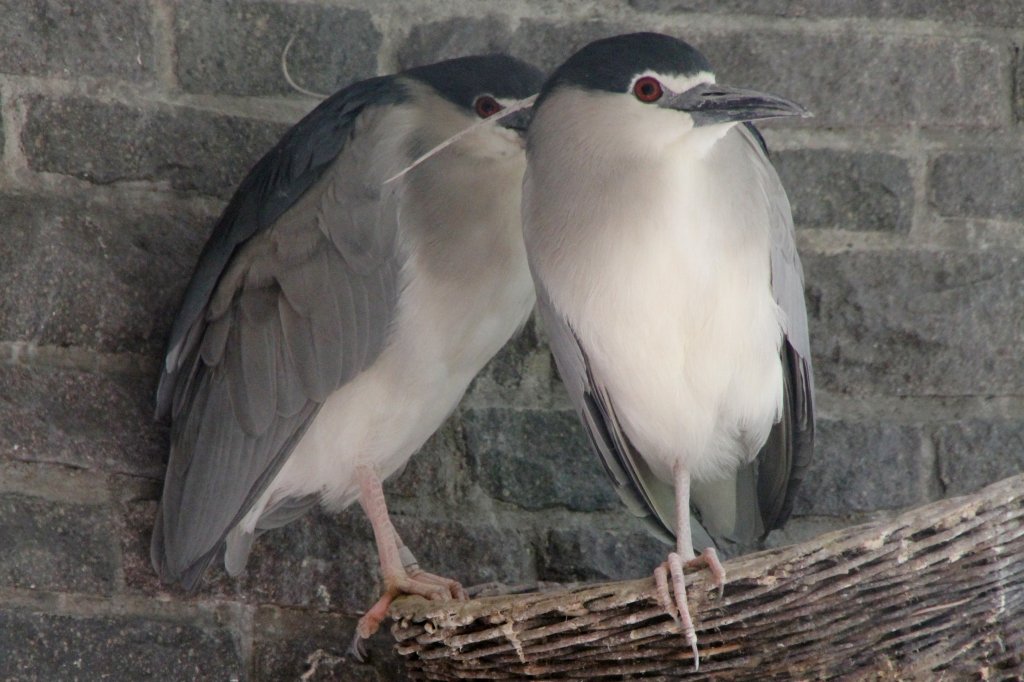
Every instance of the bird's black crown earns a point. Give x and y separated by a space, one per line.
612 63
462 80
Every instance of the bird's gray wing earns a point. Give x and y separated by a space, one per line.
758 497
787 455
292 297
644 494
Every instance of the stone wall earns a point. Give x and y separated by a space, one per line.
127 124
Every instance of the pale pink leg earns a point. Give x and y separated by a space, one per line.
678 606
393 558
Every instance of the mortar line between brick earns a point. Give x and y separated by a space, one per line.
28 354
931 468
861 25
157 607
162 26
14 162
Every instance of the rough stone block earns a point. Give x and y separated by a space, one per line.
1018 83
70 39
431 474
848 78
292 645
41 646
547 44
917 323
81 419
320 561
978 184
454 37
536 459
50 545
847 190
974 453
106 143
1007 13
543 43
520 375
593 554
472 549
235 47
862 467
106 278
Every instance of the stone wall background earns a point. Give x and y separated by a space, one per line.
126 124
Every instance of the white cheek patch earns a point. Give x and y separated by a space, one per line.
675 82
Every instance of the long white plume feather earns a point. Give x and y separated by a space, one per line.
525 103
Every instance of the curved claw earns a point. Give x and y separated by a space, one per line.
709 558
357 647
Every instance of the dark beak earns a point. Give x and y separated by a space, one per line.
517 120
709 103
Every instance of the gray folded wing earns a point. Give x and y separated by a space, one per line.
759 496
292 297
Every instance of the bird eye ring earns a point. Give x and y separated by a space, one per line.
647 89
486 106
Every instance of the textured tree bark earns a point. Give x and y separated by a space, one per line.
936 593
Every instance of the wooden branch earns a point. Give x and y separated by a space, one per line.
937 591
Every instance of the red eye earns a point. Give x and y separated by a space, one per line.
647 89
486 106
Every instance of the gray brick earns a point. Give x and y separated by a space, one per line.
1018 83
430 476
103 277
56 546
453 37
978 184
520 374
541 42
106 143
70 39
864 466
291 644
997 13
974 453
917 323
40 646
235 47
319 561
849 78
547 44
81 419
847 190
593 554
329 561
471 550
536 459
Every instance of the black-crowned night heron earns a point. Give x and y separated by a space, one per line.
662 247
335 319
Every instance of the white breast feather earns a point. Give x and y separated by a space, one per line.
662 269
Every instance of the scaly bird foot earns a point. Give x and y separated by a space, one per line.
416 582
677 607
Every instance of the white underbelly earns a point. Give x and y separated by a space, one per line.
685 335
703 396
